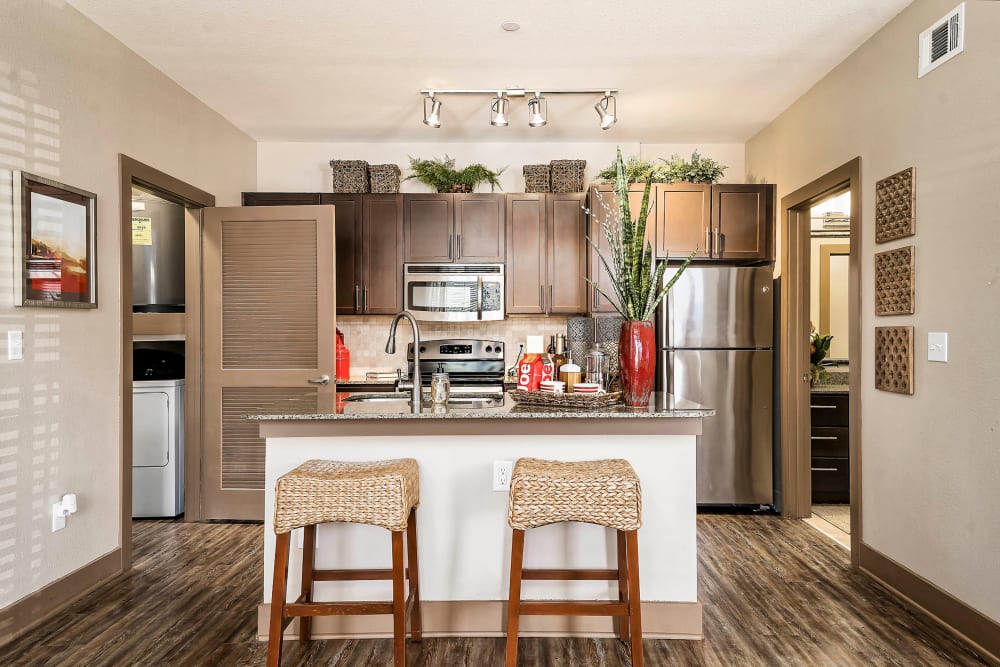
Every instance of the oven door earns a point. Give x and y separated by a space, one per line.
454 293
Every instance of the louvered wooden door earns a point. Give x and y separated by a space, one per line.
269 336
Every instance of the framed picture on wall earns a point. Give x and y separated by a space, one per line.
56 251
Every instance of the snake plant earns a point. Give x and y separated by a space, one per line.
636 278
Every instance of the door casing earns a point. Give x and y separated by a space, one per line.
794 333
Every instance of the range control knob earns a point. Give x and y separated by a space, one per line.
422 349
498 348
489 349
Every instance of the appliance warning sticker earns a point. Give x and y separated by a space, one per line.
142 231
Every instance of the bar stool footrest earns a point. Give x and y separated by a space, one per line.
569 575
567 608
337 608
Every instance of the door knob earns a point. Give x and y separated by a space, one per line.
322 379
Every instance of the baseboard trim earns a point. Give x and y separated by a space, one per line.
969 625
28 612
487 618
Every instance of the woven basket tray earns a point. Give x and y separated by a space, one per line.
547 400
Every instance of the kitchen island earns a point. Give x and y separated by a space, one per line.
464 539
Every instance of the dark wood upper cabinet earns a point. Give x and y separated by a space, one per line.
566 226
382 254
684 220
347 242
442 228
527 270
281 198
479 228
546 254
429 227
743 221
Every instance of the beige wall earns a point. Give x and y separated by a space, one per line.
71 99
305 167
931 461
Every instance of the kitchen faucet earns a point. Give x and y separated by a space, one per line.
390 348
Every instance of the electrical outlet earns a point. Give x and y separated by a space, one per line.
15 345
58 517
501 475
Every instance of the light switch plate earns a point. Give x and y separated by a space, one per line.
937 346
15 345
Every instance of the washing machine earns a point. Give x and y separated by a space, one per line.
157 448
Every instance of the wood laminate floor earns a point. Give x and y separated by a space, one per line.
775 592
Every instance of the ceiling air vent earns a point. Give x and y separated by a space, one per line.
942 41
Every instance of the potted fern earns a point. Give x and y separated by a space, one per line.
637 283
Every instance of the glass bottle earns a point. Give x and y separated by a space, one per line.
440 388
597 366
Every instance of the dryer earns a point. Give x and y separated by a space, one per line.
157 448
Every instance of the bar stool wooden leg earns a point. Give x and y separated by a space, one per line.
634 618
416 630
278 600
308 565
623 621
514 598
398 601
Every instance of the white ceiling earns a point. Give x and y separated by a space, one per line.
317 70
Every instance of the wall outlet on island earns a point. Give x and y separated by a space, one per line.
501 475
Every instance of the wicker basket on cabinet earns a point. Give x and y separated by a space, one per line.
567 175
384 178
349 176
536 177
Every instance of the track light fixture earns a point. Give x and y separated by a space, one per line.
607 110
537 105
537 111
433 118
498 110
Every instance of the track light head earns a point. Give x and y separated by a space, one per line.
498 111
432 119
607 110
537 111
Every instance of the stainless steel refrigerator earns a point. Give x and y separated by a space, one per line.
715 338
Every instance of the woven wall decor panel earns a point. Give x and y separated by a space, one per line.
894 272
895 199
894 359
384 178
536 177
349 176
567 175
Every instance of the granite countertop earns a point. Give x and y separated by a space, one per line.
662 406
830 388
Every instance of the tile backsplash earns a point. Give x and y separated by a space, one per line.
365 337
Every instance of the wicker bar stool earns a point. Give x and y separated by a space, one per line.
606 493
378 493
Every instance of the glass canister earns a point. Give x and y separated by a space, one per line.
440 388
597 367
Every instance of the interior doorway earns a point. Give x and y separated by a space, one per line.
161 327
820 420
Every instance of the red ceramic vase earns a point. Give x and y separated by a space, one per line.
637 362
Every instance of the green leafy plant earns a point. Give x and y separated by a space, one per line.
636 278
443 176
819 348
696 170
636 171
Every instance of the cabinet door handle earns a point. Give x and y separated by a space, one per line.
451 249
708 240
552 301
597 298
357 296
322 379
823 437
365 298
823 469
719 243
823 407
541 296
459 238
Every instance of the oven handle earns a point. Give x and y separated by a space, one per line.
479 300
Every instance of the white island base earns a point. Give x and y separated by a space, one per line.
464 540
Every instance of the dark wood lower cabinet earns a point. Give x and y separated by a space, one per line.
830 441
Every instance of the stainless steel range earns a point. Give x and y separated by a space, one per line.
473 366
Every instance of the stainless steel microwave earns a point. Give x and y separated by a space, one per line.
454 292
